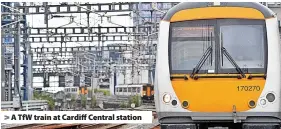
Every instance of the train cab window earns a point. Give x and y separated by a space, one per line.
188 42
244 41
144 88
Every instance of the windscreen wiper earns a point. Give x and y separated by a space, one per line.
227 55
202 61
205 56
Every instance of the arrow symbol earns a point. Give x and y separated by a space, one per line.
6 117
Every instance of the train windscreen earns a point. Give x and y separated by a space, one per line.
220 46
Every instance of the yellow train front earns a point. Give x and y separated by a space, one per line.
148 93
218 64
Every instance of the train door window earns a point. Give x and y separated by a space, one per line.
138 89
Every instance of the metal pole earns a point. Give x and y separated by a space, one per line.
98 55
46 14
88 25
9 85
17 91
2 67
25 59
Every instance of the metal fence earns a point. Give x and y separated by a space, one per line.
33 105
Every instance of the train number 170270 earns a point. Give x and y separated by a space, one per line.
248 88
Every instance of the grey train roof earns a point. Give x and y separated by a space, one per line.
190 5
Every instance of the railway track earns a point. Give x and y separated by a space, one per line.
60 126
22 126
156 127
41 126
92 126
114 126
101 126
69 126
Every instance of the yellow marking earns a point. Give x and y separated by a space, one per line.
148 91
217 12
217 94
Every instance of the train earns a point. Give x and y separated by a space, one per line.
218 64
146 91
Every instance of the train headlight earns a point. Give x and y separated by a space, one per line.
174 102
167 98
263 101
252 104
270 97
185 104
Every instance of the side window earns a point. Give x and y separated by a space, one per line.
134 89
